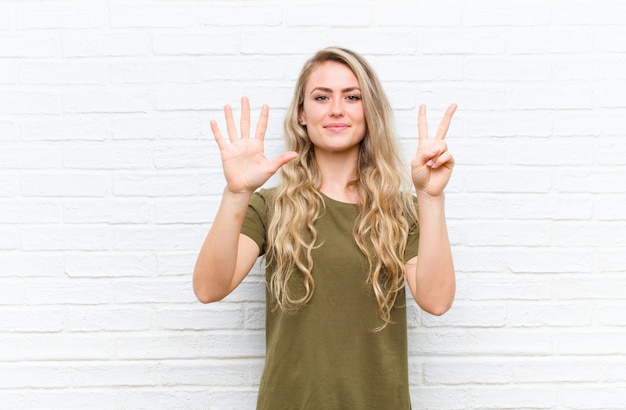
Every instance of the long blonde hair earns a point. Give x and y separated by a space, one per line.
386 210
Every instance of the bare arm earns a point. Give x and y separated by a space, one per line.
227 256
430 275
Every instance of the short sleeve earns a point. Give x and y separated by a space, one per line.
413 238
256 220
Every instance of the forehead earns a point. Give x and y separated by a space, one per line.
333 75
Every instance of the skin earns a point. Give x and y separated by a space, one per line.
335 122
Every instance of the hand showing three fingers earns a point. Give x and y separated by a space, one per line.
245 165
432 165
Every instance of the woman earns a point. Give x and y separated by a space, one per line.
340 238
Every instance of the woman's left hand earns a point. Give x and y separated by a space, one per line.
432 165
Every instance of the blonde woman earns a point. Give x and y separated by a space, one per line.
339 235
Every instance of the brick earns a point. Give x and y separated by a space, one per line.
46 346
483 371
538 97
105 43
113 211
59 15
526 180
9 72
373 42
515 396
114 374
493 13
64 72
171 211
535 40
8 131
426 68
185 155
20 211
554 315
24 44
9 185
234 344
107 155
65 238
147 70
322 14
65 185
110 100
218 15
30 102
153 346
175 264
603 12
154 185
554 207
104 264
150 290
152 15
149 127
469 315
61 128
507 233
213 316
269 41
212 42
404 13
207 372
549 260
27 264
508 287
474 41
32 320
104 318
67 292
31 156
30 375
9 238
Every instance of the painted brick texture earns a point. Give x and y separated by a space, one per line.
110 179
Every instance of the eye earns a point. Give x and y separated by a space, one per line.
321 98
354 97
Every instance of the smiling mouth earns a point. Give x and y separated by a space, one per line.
336 127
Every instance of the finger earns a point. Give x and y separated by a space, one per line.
217 134
230 123
422 124
431 150
282 159
245 118
445 159
445 122
261 126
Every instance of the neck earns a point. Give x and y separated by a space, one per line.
338 170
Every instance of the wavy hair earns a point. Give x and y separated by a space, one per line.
386 209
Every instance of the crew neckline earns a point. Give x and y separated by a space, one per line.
326 197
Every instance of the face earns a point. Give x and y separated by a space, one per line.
333 109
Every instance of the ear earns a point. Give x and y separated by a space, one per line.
301 118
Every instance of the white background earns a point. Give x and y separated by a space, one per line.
110 178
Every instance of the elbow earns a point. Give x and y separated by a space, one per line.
207 293
437 309
205 296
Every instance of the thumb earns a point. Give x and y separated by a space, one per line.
282 159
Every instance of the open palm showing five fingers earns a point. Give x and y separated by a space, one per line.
245 165
432 165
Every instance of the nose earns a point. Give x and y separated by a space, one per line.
336 108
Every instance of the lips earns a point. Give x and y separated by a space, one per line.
336 127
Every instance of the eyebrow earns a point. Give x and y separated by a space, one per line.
328 90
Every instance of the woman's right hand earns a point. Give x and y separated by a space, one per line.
245 165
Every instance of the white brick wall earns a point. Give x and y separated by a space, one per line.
109 180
